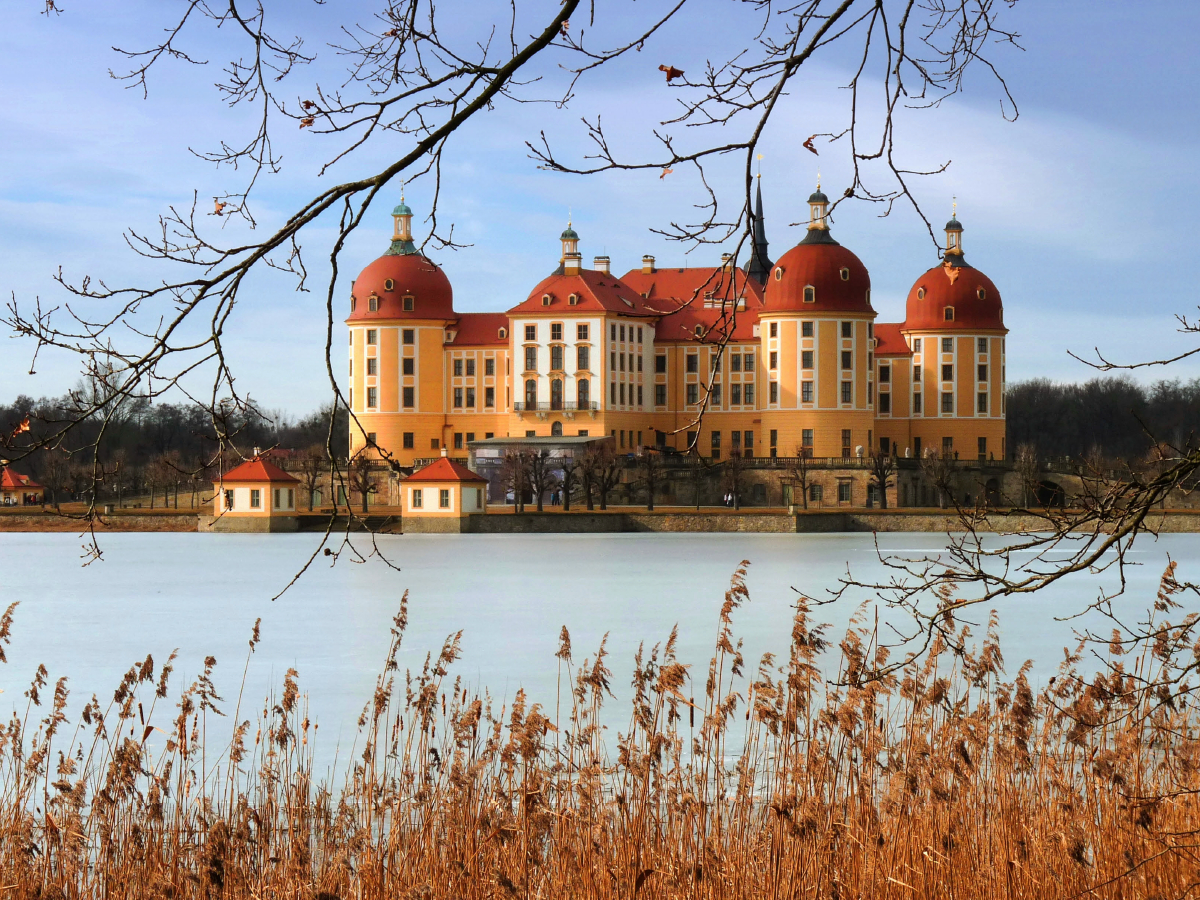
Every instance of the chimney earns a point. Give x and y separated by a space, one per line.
601 264
726 260
444 452
647 265
572 263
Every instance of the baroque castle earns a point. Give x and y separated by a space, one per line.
804 369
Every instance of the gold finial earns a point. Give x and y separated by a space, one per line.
760 156
818 178
954 207
568 217
402 192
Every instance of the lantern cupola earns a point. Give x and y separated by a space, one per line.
402 242
571 261
954 230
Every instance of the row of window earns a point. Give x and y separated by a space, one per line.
806 329
556 331
738 394
418 498
409 439
285 498
467 366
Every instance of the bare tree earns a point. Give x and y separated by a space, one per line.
1028 469
56 474
515 474
798 469
733 476
542 479
939 472
570 475
313 461
603 466
883 468
361 482
651 473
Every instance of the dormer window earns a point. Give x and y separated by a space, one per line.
502 333
948 314
810 294
920 293
778 273
373 303
573 300
389 285
545 299
699 330
409 303
845 273
982 294
353 302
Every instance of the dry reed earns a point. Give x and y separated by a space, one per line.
943 780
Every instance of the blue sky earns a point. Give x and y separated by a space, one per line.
1082 211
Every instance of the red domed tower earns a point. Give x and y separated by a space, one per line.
816 327
954 325
400 308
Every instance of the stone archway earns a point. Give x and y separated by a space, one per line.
556 429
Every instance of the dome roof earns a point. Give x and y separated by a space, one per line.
839 280
954 224
817 197
973 296
410 275
402 210
569 235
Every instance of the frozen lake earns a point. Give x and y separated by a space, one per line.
510 594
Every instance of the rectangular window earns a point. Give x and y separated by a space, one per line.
947 402
660 364
372 336
639 362
255 498
735 440
806 329
774 437
774 361
981 345
408 440
612 332
470 367
715 445
735 394
458 368
983 373
693 362
806 440
372 366
715 362
277 497
749 441
583 358
621 360
612 360
458 398
556 358
489 397
408 336
470 398
847 391
371 439
749 362
870 392
774 329
982 448
847 329
716 394
639 403
735 362
916 374
847 359
372 397
885 403
229 500
916 403
885 374
581 332
622 333
806 359
612 394
693 394
981 402
948 373
531 359
531 332
947 447
444 498
773 392
418 498
639 341
433 444
846 438
409 365
409 399
660 395
843 492
806 392
621 390
489 366
947 345
556 331
458 440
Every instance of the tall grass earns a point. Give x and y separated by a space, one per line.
942 779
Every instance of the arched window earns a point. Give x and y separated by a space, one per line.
920 293
948 313
409 304
584 390
556 400
556 429
573 300
810 294
531 393
373 303
545 299
502 332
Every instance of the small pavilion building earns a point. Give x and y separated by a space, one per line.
442 497
19 490
254 496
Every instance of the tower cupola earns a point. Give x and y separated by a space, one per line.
571 261
954 230
402 242
818 210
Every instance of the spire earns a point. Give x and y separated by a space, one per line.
954 251
571 261
402 242
759 263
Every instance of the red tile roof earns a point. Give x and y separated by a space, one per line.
683 285
596 291
819 265
480 330
445 470
715 325
889 341
976 301
411 275
258 469
15 481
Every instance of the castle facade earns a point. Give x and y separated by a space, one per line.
781 358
